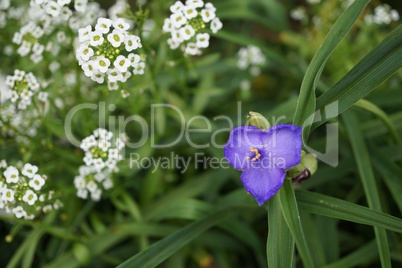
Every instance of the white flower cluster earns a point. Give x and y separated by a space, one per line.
382 15
23 86
4 5
251 57
28 40
102 154
186 23
22 192
106 52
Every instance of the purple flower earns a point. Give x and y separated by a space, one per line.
264 156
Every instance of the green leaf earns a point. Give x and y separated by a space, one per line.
291 215
26 251
368 180
381 62
339 209
371 107
307 102
356 258
163 249
391 173
280 243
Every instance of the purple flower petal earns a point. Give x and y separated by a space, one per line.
262 182
284 143
238 146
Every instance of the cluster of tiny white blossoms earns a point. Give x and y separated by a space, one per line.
102 153
106 52
28 40
22 192
186 23
252 58
382 15
23 86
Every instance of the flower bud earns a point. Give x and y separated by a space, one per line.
256 119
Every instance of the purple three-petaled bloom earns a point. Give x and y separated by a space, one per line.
264 156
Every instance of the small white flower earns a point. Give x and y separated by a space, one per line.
216 25
38 49
124 94
26 95
84 52
19 212
210 7
177 36
176 7
79 182
190 12
107 184
47 208
167 26
98 77
53 9
132 42
30 197
83 33
134 58
11 174
102 63
96 38
42 96
96 195
7 195
14 96
121 24
195 3
187 32
114 75
178 19
24 49
207 15
89 68
82 193
63 2
37 32
29 216
112 85
92 186
173 44
121 63
104 144
139 68
116 37
111 164
37 182
17 38
80 5
29 170
202 40
98 164
125 76
65 13
99 177
192 49
103 25
3 163
113 153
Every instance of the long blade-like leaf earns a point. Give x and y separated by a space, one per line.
161 250
291 215
381 62
306 104
368 180
280 243
340 209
